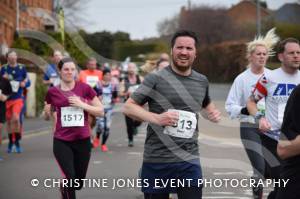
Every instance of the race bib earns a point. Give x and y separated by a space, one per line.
15 86
55 81
92 81
281 108
72 116
185 126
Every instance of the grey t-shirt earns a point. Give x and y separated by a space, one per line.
165 90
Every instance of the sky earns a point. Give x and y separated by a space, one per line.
139 18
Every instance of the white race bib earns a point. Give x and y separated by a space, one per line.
92 81
15 86
281 108
55 81
185 127
72 116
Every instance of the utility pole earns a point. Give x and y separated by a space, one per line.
258 18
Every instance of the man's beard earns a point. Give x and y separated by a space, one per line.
181 68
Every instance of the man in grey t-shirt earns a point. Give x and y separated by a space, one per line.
174 95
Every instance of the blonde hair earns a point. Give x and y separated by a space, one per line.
268 41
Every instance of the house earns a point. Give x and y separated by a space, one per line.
29 15
245 12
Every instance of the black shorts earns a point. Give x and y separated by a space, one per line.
2 112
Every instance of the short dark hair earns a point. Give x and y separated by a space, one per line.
281 45
106 70
184 33
9 52
63 61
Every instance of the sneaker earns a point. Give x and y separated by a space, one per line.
19 149
130 143
104 148
96 142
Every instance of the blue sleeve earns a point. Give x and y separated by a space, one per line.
28 82
24 73
46 74
2 71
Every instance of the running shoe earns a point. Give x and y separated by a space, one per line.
96 142
130 143
104 148
19 149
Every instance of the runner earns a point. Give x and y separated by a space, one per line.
51 76
130 84
17 75
258 51
5 92
275 87
107 92
73 101
92 77
174 95
288 146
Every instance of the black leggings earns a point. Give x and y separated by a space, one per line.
252 142
182 193
73 159
272 169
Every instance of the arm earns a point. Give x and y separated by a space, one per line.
137 112
234 101
287 149
251 106
47 111
263 124
94 108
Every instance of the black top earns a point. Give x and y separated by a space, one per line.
290 130
5 87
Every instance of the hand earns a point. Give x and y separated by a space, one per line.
76 101
47 108
169 118
214 115
23 84
3 98
5 76
264 125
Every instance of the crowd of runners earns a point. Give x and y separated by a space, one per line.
170 99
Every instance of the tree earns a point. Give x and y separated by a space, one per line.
168 26
72 10
212 25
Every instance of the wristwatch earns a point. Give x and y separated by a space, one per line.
258 116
